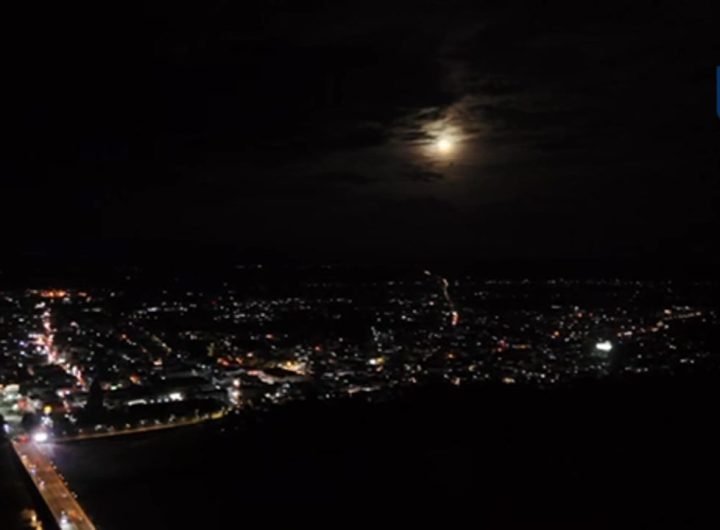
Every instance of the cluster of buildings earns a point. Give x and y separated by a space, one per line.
69 358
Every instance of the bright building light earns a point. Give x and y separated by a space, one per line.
605 346
40 437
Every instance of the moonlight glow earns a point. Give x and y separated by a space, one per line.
444 145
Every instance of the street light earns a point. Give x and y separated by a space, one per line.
40 437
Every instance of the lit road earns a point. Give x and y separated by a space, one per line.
66 510
444 286
142 429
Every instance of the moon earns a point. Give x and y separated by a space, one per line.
444 145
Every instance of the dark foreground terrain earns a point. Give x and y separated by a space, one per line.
596 455
13 497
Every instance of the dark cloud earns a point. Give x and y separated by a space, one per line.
423 175
323 116
341 177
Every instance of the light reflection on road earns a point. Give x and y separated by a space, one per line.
60 500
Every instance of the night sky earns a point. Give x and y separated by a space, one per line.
371 131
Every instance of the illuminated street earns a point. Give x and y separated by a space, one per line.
143 429
58 497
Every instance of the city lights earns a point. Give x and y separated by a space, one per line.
604 346
40 437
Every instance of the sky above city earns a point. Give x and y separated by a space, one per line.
369 131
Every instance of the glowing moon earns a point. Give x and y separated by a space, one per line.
444 145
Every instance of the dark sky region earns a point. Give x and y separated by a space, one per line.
369 131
